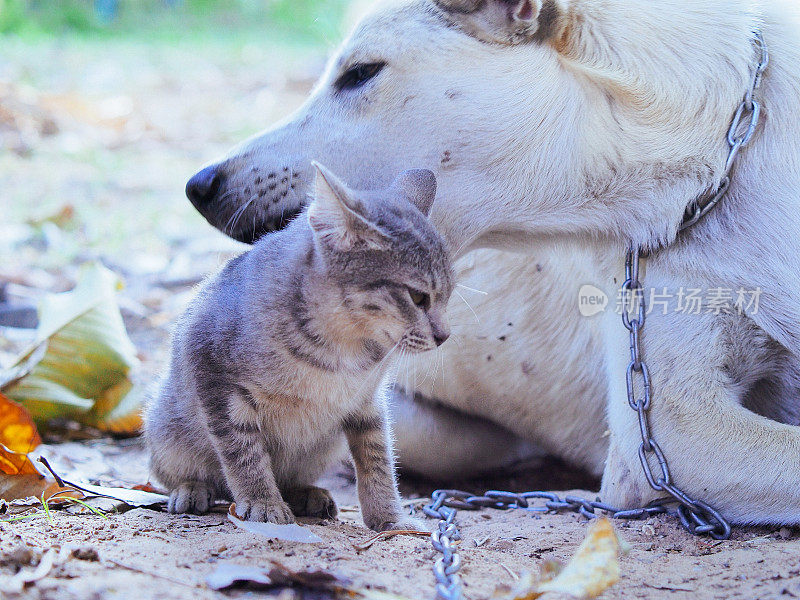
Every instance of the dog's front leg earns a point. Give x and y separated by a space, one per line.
745 465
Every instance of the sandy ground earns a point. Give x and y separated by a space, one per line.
111 132
144 553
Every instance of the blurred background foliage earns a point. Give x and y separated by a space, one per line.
304 21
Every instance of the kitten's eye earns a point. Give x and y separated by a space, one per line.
419 298
358 75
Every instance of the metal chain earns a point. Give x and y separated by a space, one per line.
445 503
742 128
695 515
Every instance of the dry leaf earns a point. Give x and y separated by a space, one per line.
14 487
591 571
18 436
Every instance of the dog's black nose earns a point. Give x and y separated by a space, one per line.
204 186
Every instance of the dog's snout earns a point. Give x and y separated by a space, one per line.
204 186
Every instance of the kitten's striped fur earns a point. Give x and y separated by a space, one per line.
286 349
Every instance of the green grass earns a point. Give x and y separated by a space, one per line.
300 21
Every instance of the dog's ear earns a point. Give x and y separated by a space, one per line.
507 21
419 187
337 216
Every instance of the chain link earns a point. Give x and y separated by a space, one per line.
695 515
744 124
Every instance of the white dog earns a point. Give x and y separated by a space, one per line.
569 129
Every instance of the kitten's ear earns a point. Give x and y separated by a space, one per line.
418 186
336 216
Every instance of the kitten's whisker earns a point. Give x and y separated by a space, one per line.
477 291
468 305
444 381
427 373
434 364
402 363
460 248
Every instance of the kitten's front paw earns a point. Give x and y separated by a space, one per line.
312 501
191 497
255 510
396 523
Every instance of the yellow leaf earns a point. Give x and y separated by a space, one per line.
595 566
591 571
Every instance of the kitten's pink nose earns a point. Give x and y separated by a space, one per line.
439 329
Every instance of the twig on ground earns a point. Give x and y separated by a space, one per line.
385 535
669 588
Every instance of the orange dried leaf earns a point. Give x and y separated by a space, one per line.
18 436
14 487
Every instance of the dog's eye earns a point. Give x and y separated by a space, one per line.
358 75
420 298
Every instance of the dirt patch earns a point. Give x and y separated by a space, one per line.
143 553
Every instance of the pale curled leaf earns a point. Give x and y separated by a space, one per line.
276 576
131 497
591 571
84 373
135 498
289 533
23 367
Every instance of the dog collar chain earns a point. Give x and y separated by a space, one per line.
743 126
695 515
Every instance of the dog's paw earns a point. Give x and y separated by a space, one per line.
395 523
276 511
312 501
191 497
624 486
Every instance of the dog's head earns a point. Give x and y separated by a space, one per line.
533 116
408 89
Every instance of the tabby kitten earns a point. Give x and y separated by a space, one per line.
287 348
